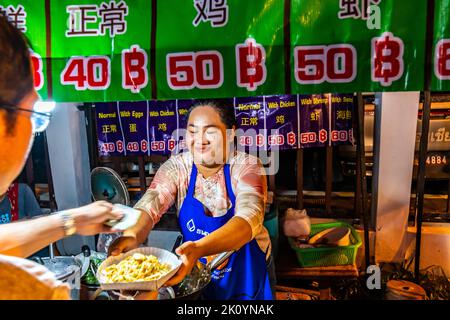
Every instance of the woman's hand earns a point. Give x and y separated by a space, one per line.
189 253
122 244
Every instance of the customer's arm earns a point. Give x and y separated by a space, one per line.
24 238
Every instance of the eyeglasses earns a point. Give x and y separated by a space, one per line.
40 115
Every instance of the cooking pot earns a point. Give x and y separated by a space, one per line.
66 269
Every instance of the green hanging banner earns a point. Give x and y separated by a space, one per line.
440 80
205 49
29 17
100 50
123 50
357 46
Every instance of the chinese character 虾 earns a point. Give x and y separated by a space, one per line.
113 18
315 115
215 11
351 9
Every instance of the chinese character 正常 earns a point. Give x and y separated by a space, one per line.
245 121
80 18
113 18
106 128
253 121
16 16
106 17
215 11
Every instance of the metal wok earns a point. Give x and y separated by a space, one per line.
190 288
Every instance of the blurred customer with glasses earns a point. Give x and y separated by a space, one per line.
22 115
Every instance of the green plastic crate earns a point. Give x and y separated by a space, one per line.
328 256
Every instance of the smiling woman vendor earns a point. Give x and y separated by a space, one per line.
220 194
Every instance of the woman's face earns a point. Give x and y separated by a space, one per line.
207 138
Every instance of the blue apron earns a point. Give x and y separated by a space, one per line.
244 275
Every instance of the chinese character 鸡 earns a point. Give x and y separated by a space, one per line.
215 11
162 127
280 119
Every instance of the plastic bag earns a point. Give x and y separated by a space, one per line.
296 224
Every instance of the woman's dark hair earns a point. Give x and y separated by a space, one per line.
223 107
16 78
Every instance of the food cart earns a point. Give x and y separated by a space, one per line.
300 75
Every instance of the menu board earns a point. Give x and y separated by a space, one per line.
269 123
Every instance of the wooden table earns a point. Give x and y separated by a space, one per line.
287 267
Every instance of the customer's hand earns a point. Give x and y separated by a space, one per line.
122 244
90 219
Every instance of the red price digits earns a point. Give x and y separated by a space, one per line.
308 137
442 60
333 64
133 146
188 70
108 147
87 73
158 146
276 140
246 141
339 135
36 60
387 59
